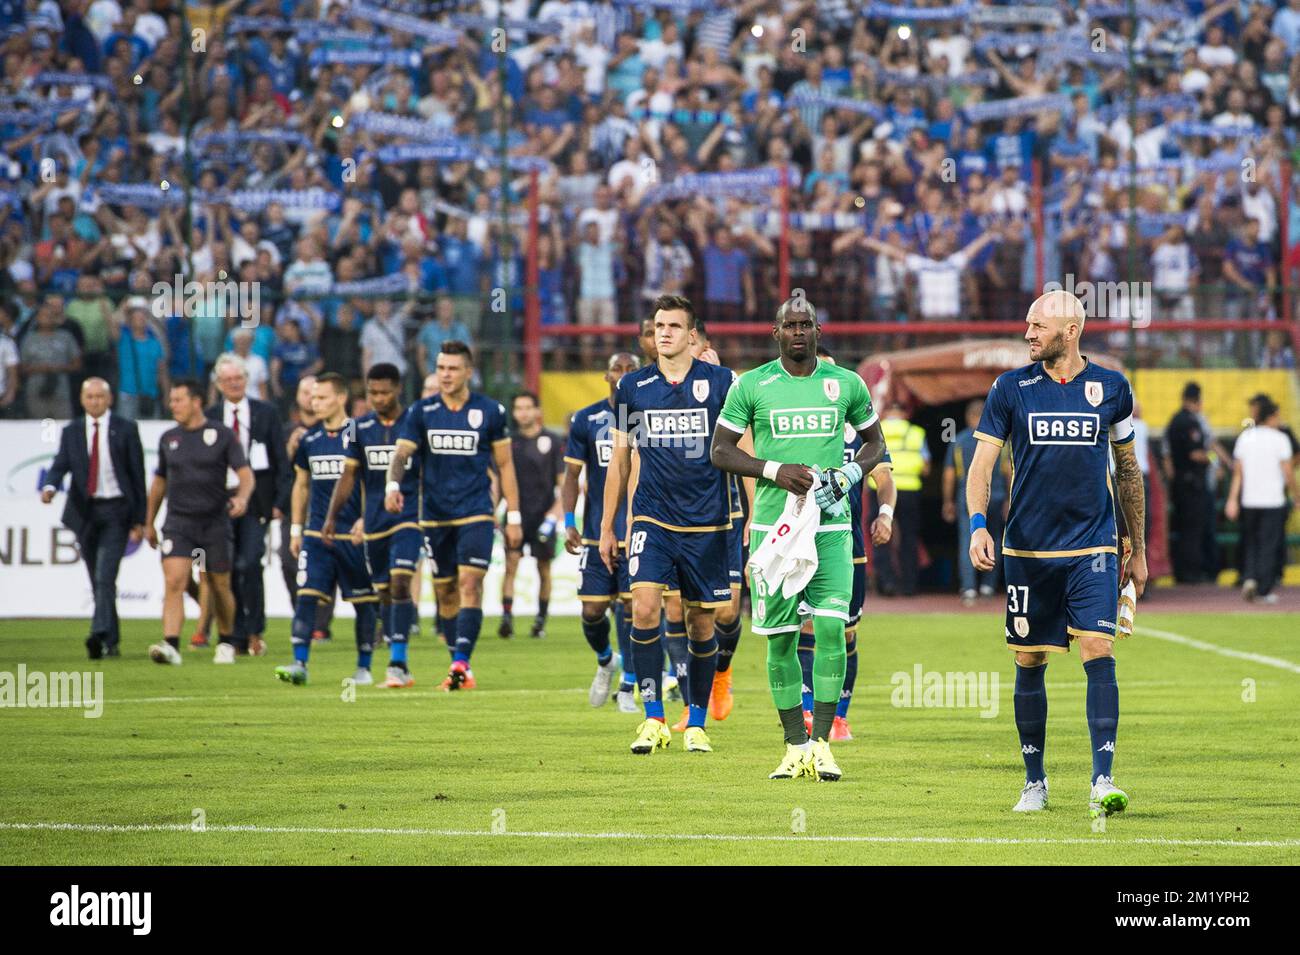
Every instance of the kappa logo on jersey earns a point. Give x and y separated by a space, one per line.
1064 427
700 389
668 423
604 451
643 383
1093 391
768 380
804 422
1026 381
380 456
832 389
326 467
454 442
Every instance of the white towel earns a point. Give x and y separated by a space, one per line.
1127 609
788 554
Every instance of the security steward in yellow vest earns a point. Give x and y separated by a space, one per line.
896 567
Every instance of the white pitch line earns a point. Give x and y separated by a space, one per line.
1221 651
637 836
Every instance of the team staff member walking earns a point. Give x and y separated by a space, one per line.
105 503
191 477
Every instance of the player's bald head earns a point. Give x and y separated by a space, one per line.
1058 308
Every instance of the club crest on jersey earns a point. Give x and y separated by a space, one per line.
700 389
1022 627
1093 392
832 389
209 436
544 444
475 417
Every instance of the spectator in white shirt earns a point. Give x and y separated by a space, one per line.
1174 270
1214 52
938 276
1262 477
254 364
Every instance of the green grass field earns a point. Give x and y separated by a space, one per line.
1209 757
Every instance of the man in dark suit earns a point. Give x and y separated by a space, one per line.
106 501
257 425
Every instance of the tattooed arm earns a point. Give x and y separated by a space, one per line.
1132 501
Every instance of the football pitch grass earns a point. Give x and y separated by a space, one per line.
204 764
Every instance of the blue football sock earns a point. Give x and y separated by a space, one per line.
1031 718
367 614
1103 713
623 627
807 644
850 675
702 665
402 618
304 621
728 636
678 656
450 630
468 624
647 658
597 634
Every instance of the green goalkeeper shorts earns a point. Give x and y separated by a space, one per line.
826 595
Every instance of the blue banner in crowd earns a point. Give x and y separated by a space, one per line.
1213 131
405 23
378 57
1042 16
1017 106
867 107
1147 104
742 182
685 6
97 80
1158 12
448 151
149 195
893 11
283 137
381 285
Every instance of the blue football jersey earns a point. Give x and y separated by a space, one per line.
590 444
671 426
1062 502
323 454
852 445
455 451
371 450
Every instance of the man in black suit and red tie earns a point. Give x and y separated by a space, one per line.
106 499
257 425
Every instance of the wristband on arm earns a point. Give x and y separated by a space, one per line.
770 468
978 522
570 520
886 510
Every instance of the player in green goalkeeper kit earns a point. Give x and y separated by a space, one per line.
796 408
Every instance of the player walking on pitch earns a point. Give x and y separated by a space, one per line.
678 517
1060 549
796 408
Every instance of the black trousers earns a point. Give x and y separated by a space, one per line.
1262 528
897 568
103 542
248 536
1189 495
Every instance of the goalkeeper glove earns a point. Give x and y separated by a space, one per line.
836 484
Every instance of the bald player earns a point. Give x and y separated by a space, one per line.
1061 552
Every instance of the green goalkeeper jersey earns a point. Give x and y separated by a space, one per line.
796 420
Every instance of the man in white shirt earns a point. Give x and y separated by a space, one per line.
1262 477
938 276
257 426
106 499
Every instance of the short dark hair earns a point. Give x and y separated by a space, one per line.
1265 408
191 385
795 305
525 394
675 303
384 371
453 346
334 380
1191 391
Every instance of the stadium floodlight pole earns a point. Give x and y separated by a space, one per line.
532 301
187 158
1132 184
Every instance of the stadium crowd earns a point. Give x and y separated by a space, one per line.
343 160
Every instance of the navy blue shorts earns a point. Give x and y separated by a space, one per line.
1053 600
736 552
859 593
696 563
397 553
321 566
459 545
595 582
